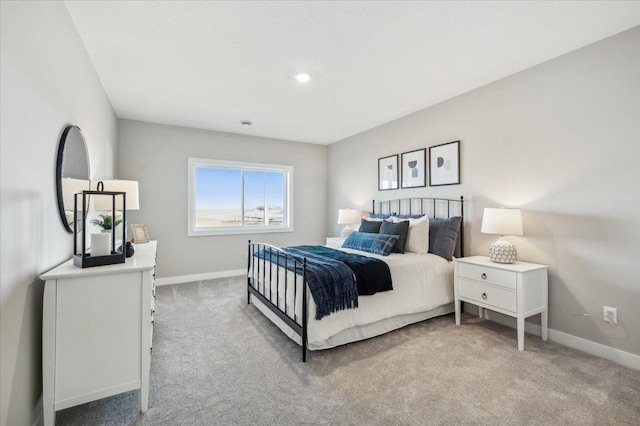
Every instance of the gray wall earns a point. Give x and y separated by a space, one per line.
156 156
560 141
47 81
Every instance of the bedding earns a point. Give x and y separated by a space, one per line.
443 236
400 229
422 288
331 282
418 234
370 226
335 278
371 243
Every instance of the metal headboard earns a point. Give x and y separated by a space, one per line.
432 207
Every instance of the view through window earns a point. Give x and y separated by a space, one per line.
234 197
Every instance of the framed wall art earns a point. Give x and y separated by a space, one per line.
388 173
413 166
444 164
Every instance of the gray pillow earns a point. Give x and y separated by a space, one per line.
443 236
379 215
409 216
370 226
400 229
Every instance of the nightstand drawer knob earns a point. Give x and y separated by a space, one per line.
484 276
484 295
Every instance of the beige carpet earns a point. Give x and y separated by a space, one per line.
218 361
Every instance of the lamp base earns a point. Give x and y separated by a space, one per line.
502 251
346 231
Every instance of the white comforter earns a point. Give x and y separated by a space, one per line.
421 283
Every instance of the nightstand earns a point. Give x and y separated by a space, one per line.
335 241
518 290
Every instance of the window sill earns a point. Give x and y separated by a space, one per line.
237 231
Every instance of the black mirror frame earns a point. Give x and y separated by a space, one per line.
59 159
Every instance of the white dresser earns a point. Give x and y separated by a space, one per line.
97 331
518 289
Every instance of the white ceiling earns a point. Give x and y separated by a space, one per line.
211 64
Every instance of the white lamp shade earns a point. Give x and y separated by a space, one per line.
502 221
347 216
130 187
71 186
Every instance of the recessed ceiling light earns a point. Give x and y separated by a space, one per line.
246 122
302 77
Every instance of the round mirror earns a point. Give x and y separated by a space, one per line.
72 172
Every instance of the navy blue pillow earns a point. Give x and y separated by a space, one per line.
401 229
443 236
370 226
371 243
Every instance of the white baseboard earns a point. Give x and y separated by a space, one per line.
200 277
612 354
37 414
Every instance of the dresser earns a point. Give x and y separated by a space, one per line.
97 331
518 290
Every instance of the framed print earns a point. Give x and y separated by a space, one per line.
388 173
444 164
140 234
413 165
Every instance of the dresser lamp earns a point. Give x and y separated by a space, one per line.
502 222
347 217
130 187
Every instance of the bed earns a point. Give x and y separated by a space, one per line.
422 285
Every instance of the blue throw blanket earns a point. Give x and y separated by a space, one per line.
331 282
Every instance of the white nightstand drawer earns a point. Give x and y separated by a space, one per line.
487 294
485 274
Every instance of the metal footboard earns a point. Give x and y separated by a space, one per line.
260 270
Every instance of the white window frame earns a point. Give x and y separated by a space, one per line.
193 231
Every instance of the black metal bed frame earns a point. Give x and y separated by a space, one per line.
257 267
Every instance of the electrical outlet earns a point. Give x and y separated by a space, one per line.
610 315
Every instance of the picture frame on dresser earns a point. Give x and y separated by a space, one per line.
388 173
444 164
140 233
413 168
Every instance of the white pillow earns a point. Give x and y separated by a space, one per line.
418 235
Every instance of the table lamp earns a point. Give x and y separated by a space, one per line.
347 217
130 187
502 222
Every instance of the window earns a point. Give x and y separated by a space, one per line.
230 197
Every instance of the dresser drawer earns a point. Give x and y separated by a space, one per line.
487 294
485 274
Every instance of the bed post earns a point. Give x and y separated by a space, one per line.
373 206
248 268
304 310
462 226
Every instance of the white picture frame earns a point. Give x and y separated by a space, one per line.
140 233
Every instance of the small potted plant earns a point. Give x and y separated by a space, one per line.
106 222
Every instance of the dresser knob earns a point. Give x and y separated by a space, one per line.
484 276
484 295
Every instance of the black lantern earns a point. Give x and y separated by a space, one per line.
83 259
